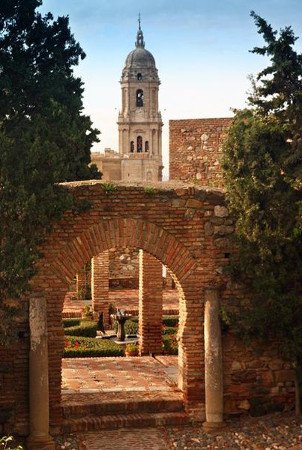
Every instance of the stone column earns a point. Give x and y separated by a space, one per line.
39 438
150 304
100 285
213 360
81 284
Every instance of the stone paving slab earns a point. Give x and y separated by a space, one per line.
117 374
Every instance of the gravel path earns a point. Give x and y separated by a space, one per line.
272 432
279 431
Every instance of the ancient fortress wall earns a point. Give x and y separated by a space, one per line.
196 149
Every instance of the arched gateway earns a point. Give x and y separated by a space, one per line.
182 226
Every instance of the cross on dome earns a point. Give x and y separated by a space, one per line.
139 37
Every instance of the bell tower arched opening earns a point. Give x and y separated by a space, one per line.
139 144
139 98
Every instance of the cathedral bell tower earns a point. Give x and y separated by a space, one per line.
139 121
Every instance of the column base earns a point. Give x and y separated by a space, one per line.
40 443
213 426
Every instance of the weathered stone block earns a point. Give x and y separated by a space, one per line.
208 229
222 230
221 211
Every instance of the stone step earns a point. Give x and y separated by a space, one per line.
111 422
76 408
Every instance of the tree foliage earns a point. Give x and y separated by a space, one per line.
44 136
263 171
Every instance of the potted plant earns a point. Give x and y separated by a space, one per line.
131 350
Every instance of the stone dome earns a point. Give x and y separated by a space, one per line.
140 58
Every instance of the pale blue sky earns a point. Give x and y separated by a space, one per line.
200 47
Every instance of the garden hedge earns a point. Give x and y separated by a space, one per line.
79 347
71 322
170 344
85 328
170 321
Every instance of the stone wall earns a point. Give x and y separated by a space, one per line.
195 150
14 415
123 268
256 378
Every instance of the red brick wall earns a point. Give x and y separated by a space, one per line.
195 150
100 285
150 304
169 224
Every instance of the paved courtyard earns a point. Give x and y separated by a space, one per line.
103 379
119 374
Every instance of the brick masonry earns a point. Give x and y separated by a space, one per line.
196 148
189 230
150 304
100 285
81 282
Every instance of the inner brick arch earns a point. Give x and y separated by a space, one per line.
113 233
64 260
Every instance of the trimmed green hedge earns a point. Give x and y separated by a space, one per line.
170 345
170 321
131 326
86 347
71 322
169 330
86 329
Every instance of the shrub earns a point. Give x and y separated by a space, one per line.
109 187
85 328
132 349
4 442
170 321
169 330
150 190
84 347
131 326
170 344
71 322
134 319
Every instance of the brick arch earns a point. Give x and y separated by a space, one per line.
107 234
67 257
174 225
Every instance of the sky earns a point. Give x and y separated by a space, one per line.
201 49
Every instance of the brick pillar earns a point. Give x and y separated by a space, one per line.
81 284
150 304
39 438
213 360
100 285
